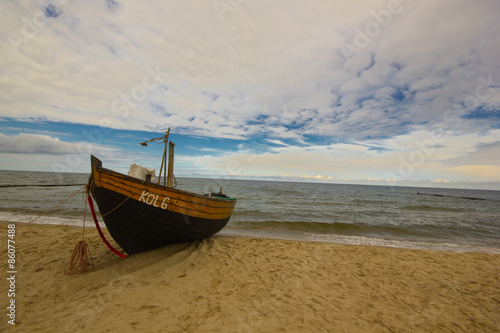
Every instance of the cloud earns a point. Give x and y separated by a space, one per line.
418 155
50 153
317 177
442 181
273 74
34 144
477 172
281 61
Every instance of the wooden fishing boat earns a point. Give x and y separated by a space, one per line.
141 215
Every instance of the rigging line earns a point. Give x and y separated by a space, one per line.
84 216
53 207
121 203
40 185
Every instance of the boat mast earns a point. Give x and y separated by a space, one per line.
170 175
163 166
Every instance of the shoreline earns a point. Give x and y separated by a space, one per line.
338 239
248 285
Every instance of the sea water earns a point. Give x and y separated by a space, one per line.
408 217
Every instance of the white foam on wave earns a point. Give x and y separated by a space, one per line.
359 240
47 219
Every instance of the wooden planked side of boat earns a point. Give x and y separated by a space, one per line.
142 216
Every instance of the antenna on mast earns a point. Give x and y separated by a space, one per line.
167 179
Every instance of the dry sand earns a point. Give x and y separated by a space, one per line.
247 285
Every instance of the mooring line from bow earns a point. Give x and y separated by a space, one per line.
91 205
61 202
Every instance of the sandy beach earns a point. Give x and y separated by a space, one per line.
246 285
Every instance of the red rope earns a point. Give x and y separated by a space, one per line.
99 229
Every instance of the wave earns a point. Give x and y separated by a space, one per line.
339 228
47 219
405 244
451 196
369 202
62 212
413 232
426 237
433 208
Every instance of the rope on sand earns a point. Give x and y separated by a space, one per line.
81 260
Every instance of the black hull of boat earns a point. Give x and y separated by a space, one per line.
139 227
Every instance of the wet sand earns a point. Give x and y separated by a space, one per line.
234 284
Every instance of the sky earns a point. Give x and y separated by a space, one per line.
403 93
